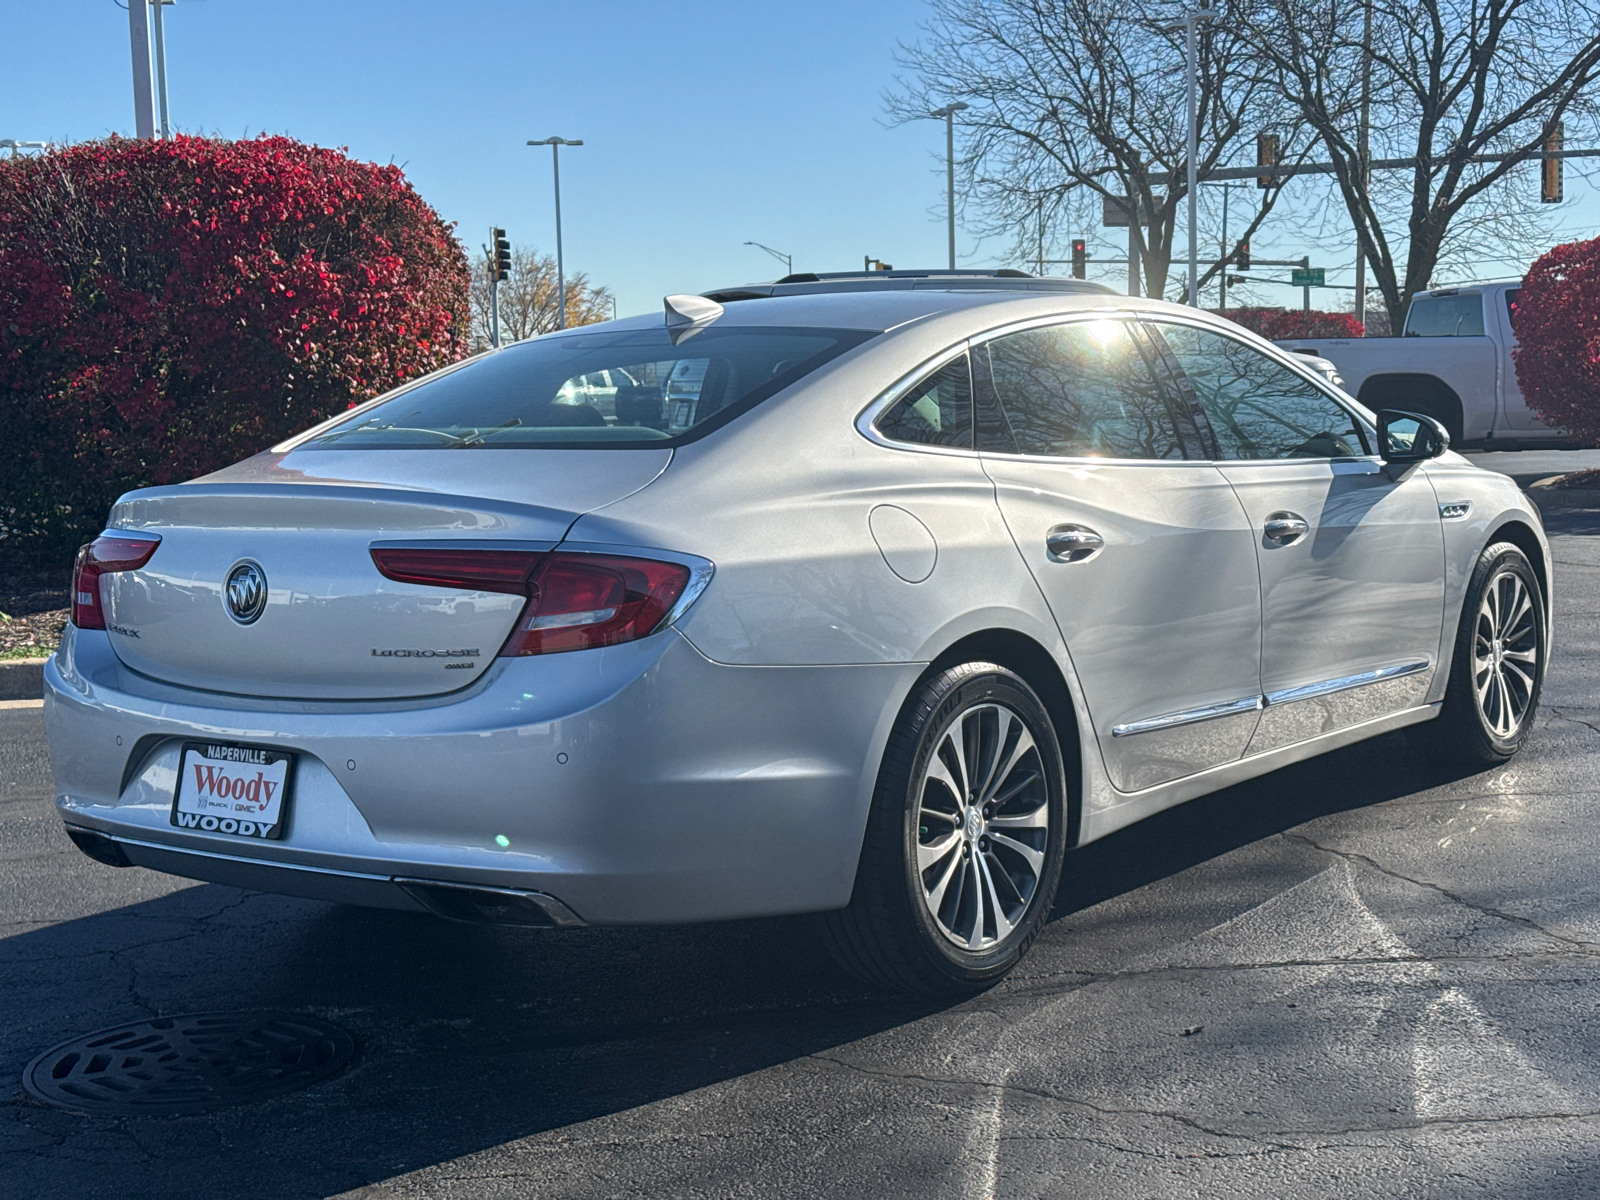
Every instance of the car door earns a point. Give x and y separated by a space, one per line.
1351 557
1144 556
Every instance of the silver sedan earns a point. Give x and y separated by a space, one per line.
868 597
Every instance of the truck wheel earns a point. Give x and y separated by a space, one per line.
1498 667
965 840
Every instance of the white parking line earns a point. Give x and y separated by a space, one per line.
4 704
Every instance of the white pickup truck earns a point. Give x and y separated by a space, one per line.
1453 363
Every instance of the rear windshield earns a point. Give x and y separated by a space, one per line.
1458 315
611 388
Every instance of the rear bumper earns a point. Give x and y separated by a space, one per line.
637 784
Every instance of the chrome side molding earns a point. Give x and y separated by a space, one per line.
1455 511
1189 716
1344 682
1230 708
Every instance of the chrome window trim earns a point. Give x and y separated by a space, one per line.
1343 683
1189 716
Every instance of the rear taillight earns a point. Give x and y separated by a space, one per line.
102 556
581 601
576 601
472 570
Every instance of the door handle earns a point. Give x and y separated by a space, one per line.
1072 543
1285 527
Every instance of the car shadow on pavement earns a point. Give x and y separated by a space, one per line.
472 1037
1359 776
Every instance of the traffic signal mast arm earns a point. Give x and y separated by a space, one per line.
1284 170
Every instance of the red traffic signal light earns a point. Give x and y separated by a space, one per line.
1080 258
1241 256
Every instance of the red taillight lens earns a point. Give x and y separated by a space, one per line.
473 570
585 600
575 601
105 554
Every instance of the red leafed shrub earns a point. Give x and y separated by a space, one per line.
1275 324
169 307
1558 338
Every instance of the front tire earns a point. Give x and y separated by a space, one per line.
1498 669
965 840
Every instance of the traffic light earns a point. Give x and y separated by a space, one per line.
501 265
1550 169
1241 256
1266 156
1080 258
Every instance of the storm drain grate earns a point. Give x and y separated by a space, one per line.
189 1064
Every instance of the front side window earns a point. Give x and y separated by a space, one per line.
1256 406
1457 315
1079 390
612 388
937 412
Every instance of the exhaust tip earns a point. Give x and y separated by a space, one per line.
98 847
490 905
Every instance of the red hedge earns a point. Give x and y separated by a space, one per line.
1558 338
168 307
1275 324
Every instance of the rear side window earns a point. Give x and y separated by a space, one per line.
607 389
937 412
1513 295
1459 315
1256 406
1079 390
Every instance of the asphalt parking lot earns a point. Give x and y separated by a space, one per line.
1360 976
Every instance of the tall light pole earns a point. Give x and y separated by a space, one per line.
1190 20
1362 135
161 64
555 144
786 259
144 124
948 112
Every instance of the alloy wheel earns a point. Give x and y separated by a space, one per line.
1505 653
983 825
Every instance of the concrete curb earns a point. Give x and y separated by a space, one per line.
22 678
1553 497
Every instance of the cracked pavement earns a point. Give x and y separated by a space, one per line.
1359 976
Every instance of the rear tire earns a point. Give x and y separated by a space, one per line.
964 842
1497 671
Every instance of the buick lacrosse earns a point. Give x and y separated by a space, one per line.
868 596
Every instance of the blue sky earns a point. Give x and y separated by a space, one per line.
707 122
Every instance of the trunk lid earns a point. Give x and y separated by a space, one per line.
332 627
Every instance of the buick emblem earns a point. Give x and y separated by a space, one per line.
245 592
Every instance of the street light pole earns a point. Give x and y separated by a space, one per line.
786 259
161 64
948 112
1189 21
1361 153
144 125
555 144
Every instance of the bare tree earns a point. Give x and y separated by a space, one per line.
528 303
1075 100
1451 80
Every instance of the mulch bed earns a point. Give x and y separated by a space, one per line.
33 606
1578 479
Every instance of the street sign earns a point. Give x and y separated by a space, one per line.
1310 277
1115 210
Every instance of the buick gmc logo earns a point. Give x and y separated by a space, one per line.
245 592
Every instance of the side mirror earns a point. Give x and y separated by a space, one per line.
1410 437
